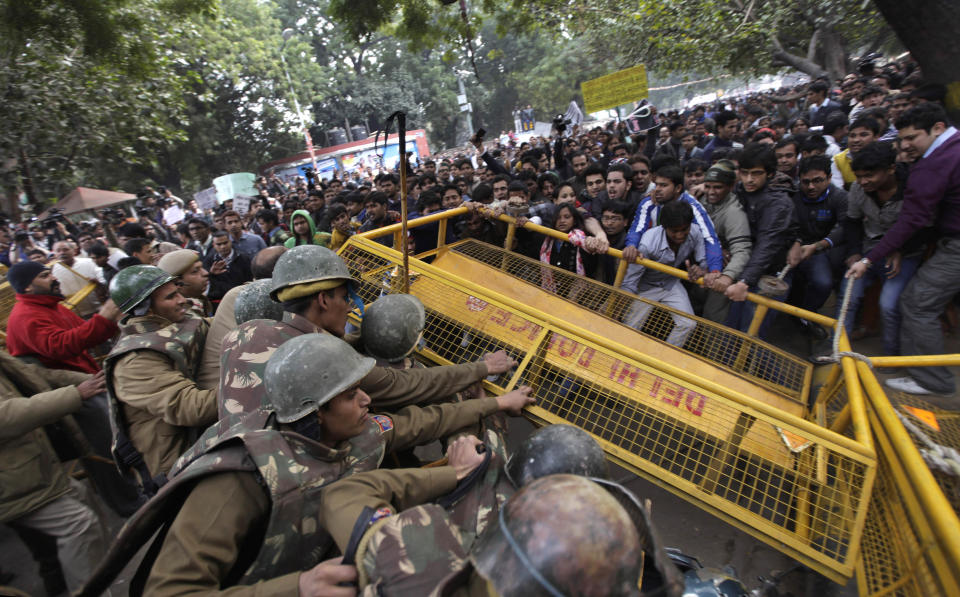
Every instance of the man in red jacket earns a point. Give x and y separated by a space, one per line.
39 326
42 328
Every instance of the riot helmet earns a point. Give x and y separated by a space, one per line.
392 326
308 371
306 270
556 449
133 285
254 302
561 535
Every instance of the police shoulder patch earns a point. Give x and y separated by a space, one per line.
384 422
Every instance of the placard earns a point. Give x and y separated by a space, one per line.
616 89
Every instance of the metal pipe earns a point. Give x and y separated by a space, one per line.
922 360
855 399
677 273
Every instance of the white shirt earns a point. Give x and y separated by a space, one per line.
71 282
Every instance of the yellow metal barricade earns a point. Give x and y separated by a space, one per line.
841 486
759 467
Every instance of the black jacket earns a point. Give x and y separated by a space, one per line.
237 273
821 219
773 226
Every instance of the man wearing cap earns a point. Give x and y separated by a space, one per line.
733 230
316 290
39 326
191 277
151 374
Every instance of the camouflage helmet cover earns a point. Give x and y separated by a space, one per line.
133 285
561 534
308 371
306 264
392 326
254 302
553 450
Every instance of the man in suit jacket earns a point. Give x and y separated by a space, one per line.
819 106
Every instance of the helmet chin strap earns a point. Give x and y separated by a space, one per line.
141 309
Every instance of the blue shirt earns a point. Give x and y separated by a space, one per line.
248 244
940 140
648 216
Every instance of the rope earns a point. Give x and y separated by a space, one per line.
939 457
837 354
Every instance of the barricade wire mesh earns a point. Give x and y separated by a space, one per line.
946 432
749 357
894 559
800 491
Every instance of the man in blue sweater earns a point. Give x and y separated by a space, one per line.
932 193
669 187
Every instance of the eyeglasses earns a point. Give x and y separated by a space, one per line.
812 181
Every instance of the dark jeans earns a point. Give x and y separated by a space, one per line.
741 314
817 276
926 296
889 299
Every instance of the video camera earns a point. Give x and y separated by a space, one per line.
560 122
50 221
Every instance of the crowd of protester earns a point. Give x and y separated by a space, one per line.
841 185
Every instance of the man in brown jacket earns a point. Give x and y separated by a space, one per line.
34 491
151 374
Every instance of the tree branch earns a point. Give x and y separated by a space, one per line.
798 62
812 48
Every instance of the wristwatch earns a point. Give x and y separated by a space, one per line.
865 261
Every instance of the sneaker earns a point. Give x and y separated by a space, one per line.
908 385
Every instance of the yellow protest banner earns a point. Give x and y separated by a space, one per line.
615 89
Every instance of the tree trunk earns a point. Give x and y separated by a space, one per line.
834 54
26 179
929 30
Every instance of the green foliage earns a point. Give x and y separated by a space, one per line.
76 112
106 32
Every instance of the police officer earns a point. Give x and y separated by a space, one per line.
151 373
192 278
224 320
254 302
391 329
315 288
558 535
252 516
